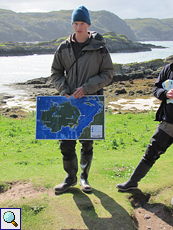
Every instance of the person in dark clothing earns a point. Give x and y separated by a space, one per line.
163 136
81 66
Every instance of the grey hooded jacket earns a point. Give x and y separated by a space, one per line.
93 68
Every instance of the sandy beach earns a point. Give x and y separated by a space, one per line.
135 104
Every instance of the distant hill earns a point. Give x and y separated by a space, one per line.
20 27
151 29
31 27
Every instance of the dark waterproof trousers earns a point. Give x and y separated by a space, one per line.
159 143
68 148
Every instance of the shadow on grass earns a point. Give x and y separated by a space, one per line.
140 200
101 213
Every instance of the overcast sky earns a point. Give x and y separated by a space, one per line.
122 8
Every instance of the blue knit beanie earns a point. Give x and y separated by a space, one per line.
81 14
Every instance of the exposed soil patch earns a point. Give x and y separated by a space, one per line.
17 190
153 218
150 216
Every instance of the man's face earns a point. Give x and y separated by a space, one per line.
80 28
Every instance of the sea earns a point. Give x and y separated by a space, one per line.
15 69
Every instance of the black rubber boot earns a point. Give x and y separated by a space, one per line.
140 171
71 167
85 163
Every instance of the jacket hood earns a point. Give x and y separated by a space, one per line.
96 42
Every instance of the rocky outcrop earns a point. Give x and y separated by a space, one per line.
131 81
122 72
150 69
23 51
116 43
121 44
134 80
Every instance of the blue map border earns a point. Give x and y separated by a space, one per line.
84 106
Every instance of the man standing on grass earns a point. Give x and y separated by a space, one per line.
163 136
81 66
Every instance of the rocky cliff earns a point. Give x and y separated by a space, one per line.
152 29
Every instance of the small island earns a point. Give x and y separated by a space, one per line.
116 43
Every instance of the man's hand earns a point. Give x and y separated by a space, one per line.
66 95
170 94
79 93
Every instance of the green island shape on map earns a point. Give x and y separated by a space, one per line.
60 115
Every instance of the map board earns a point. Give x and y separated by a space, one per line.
62 118
168 84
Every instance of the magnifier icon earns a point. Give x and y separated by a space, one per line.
9 217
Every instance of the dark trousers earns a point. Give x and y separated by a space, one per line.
68 148
159 143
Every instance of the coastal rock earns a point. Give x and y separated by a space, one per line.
116 43
125 45
122 84
170 58
150 69
14 112
120 91
4 97
130 81
24 51
122 72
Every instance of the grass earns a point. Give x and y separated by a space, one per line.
22 158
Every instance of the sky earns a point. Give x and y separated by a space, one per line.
125 9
